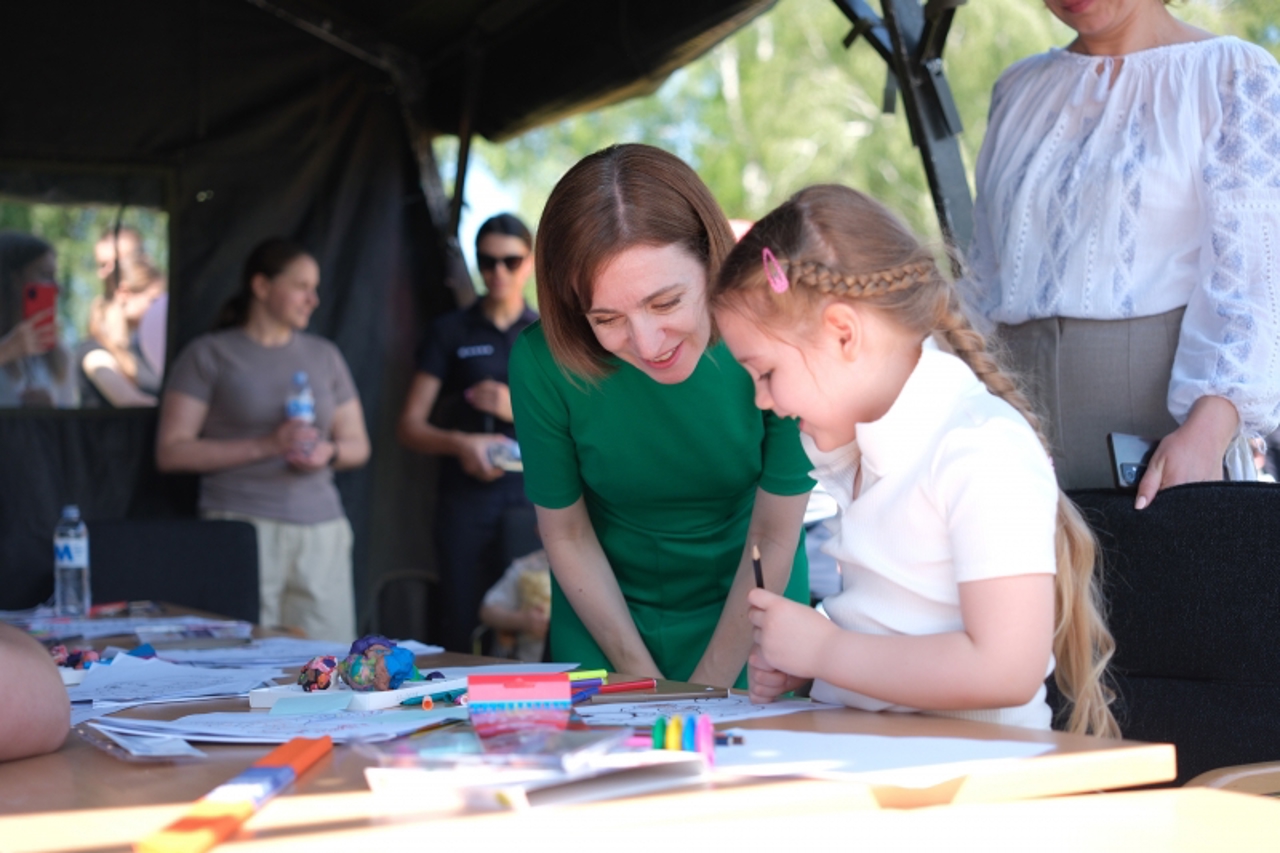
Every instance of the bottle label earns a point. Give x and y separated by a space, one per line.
301 408
70 553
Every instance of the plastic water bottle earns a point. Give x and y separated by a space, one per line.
71 564
301 404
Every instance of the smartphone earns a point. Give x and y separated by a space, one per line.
38 296
1129 458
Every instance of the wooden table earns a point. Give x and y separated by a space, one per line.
80 798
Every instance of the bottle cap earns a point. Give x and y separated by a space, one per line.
71 511
300 378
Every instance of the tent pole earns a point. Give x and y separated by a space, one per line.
910 39
466 130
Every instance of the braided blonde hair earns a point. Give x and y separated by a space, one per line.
833 242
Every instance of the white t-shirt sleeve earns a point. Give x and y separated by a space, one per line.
998 494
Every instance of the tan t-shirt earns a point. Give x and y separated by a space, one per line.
245 385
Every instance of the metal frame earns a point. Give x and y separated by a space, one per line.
910 38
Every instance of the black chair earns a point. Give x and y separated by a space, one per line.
1193 587
204 564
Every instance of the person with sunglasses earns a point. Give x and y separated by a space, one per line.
459 407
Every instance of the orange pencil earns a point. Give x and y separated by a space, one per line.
215 817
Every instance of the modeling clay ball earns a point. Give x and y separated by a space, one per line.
78 659
380 667
318 673
81 658
363 644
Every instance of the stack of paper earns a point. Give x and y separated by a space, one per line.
257 727
49 627
129 681
721 709
283 652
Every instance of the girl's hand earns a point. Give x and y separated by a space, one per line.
1193 452
535 621
766 683
492 397
788 636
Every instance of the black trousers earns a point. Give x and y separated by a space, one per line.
471 549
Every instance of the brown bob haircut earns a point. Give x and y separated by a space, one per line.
619 197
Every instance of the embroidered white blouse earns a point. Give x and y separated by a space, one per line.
1159 191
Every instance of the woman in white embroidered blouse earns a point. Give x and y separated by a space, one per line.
1127 239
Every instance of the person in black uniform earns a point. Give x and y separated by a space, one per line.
459 407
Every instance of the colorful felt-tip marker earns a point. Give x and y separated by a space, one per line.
584 694
628 686
216 817
446 696
602 674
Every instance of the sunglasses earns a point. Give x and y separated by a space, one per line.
489 262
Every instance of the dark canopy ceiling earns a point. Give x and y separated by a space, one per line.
538 60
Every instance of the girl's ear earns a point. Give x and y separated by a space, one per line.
844 327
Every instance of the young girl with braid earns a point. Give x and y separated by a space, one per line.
966 573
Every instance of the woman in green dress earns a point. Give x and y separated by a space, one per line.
652 471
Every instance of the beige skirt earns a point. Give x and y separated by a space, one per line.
1088 378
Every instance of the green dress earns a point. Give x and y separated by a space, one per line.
669 474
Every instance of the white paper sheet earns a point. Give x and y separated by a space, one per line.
906 761
130 679
725 709
261 727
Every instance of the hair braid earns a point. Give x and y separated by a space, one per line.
1082 643
971 347
826 280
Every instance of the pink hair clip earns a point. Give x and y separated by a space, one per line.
773 272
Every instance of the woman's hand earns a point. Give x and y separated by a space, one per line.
788 636
492 397
311 455
473 454
1193 452
34 336
292 437
766 683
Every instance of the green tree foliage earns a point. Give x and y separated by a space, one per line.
781 105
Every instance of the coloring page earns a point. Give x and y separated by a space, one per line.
129 679
258 727
721 710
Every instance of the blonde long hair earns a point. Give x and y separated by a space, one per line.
836 243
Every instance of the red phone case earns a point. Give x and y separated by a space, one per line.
38 296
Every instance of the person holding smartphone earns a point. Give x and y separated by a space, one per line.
459 407
35 369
